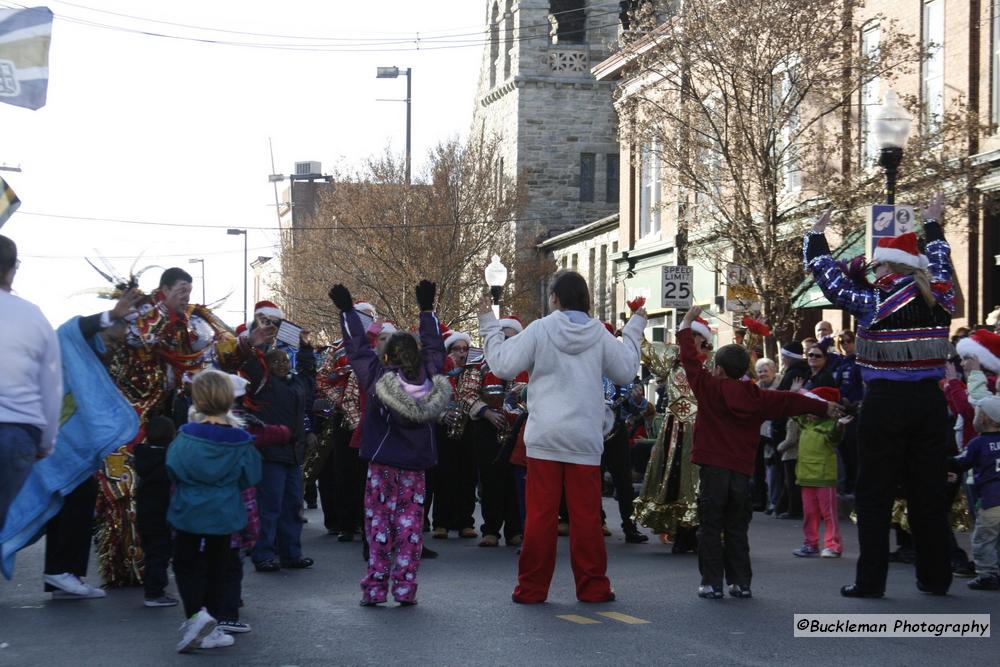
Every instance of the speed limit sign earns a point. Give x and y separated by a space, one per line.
678 287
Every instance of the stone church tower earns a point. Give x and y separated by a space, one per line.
556 122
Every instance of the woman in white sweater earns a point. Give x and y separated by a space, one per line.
565 354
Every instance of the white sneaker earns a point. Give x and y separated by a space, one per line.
194 630
72 587
829 553
217 639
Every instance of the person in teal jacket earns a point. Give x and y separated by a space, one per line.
209 462
816 474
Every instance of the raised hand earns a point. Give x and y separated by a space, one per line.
426 291
691 315
823 222
262 335
126 303
797 384
341 297
485 304
934 208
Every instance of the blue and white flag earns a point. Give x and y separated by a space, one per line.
25 35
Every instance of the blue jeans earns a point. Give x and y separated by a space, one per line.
279 497
18 447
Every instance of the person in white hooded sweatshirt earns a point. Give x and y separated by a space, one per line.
565 354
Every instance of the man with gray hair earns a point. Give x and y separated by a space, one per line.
30 386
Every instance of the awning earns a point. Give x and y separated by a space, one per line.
808 294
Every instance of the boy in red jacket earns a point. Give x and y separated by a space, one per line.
726 435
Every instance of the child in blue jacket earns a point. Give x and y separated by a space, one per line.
209 462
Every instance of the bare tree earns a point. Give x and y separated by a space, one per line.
379 237
751 108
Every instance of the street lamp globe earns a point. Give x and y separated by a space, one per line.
892 123
496 273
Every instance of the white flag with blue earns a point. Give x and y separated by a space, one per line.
24 56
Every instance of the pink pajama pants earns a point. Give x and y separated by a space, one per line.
820 502
394 521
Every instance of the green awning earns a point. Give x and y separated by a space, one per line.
808 294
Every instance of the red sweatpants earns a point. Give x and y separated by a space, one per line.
545 483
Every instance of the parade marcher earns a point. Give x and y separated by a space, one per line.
455 499
566 354
30 385
627 404
726 435
152 498
982 456
816 475
668 498
902 347
210 462
405 396
331 382
277 396
491 431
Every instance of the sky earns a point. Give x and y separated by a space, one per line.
145 128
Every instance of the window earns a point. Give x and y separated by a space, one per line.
587 169
592 275
508 37
602 281
574 262
569 21
932 70
995 65
791 170
649 191
870 95
494 44
611 176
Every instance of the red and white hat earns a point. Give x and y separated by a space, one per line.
901 249
831 394
269 309
984 346
455 336
512 322
700 327
365 308
241 330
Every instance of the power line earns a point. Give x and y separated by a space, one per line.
197 225
210 253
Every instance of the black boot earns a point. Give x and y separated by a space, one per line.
632 534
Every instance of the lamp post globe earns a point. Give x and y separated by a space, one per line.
496 278
891 127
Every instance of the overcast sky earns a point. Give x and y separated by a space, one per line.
145 128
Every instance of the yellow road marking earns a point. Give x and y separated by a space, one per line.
624 618
574 618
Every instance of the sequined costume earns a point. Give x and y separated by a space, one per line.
147 362
667 501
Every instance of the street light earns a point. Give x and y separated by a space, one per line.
202 262
238 232
496 278
393 73
892 127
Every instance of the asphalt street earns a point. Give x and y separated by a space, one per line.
465 615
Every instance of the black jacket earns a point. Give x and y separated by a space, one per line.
282 401
798 369
152 496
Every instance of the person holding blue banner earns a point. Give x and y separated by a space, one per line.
902 349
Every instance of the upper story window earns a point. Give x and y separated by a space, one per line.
932 70
995 70
650 204
569 21
870 96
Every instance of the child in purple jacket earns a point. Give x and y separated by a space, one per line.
406 394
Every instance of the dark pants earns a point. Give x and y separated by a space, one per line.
199 570
68 534
349 472
793 492
903 438
616 461
279 496
18 448
455 496
232 587
758 484
156 549
724 509
310 490
849 456
499 503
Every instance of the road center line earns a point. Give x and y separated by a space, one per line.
624 618
574 618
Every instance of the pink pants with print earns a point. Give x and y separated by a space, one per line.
820 502
394 521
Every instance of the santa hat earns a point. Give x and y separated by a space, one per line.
792 350
984 346
269 309
900 249
241 330
831 394
239 385
512 322
456 336
700 327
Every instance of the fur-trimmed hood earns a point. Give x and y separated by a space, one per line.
425 410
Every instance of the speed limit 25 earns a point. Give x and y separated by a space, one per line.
678 287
